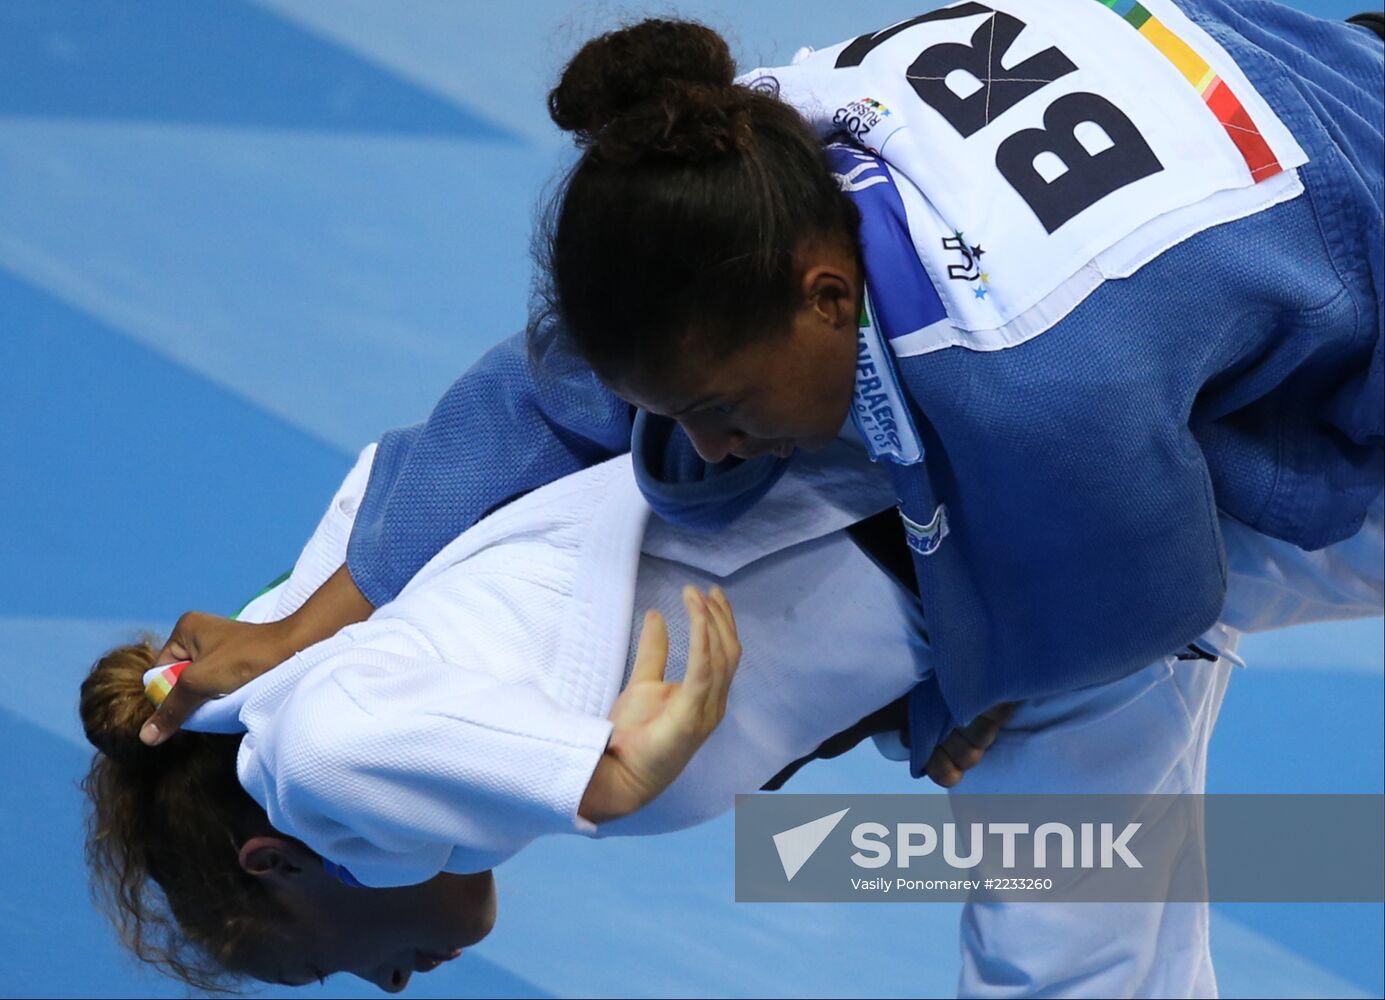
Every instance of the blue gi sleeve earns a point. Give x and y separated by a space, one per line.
500 431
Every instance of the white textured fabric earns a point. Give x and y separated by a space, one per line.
326 549
827 637
953 189
465 717
1144 734
1272 583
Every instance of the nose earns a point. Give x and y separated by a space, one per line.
713 445
390 978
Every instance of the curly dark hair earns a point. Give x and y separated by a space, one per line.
686 211
163 828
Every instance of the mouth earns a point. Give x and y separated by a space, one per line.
427 961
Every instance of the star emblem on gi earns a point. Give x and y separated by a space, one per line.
969 269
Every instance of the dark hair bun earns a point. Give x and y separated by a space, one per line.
114 707
660 87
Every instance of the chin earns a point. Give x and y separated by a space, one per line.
465 912
486 923
482 913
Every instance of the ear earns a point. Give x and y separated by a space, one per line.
830 291
275 857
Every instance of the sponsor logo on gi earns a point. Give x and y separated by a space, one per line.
969 269
873 410
859 117
925 538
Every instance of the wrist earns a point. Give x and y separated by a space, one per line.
605 798
292 634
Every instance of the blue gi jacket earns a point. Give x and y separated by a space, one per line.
1083 470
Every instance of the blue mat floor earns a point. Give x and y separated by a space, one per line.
239 240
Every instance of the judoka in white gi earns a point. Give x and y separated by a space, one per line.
1120 419
466 717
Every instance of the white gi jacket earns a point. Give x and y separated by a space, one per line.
465 718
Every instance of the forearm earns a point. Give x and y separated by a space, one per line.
336 604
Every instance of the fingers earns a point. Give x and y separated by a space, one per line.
183 699
728 642
711 665
651 655
180 641
725 620
697 681
941 769
970 743
1000 714
964 748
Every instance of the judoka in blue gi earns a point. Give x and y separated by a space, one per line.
1099 286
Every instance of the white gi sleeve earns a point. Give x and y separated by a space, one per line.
326 549
399 767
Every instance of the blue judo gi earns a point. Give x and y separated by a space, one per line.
1082 471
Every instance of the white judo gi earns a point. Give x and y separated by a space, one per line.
465 718
1145 734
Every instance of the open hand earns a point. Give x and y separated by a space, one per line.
659 724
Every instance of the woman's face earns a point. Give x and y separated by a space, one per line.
381 935
788 392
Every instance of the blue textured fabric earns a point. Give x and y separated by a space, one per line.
681 487
499 432
496 434
1082 471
